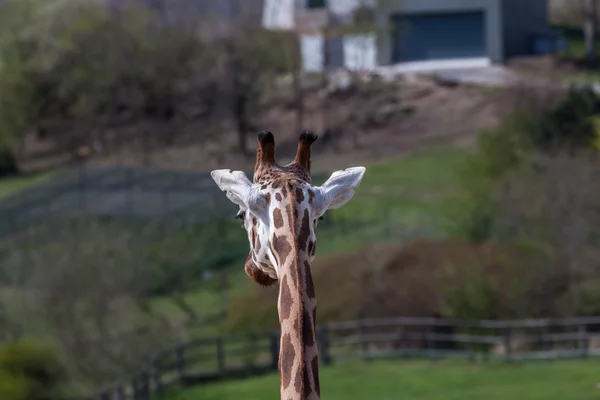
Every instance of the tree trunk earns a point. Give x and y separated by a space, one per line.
8 163
590 29
297 69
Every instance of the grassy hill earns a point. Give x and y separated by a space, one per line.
12 185
397 201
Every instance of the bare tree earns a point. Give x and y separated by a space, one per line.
589 12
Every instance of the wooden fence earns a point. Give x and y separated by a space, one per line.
230 357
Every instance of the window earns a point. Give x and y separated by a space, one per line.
316 4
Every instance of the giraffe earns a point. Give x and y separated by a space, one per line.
280 210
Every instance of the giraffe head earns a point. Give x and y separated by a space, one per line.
280 210
278 191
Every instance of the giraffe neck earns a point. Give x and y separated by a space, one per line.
298 354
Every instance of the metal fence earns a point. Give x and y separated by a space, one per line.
113 192
120 192
231 357
142 195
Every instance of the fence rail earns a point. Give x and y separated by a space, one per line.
235 356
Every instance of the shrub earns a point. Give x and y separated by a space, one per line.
30 370
567 124
448 278
498 151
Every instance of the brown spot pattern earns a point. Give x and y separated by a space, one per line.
315 370
278 197
277 218
287 356
299 378
282 248
286 300
311 196
310 287
257 246
297 325
304 233
299 195
308 334
294 273
307 383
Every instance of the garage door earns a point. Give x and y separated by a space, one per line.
429 37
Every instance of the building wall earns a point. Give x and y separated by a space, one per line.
521 21
493 22
360 52
352 51
278 14
311 47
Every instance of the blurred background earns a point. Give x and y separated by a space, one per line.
468 259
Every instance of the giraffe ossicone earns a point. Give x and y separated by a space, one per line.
280 210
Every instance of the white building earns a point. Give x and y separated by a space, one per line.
309 18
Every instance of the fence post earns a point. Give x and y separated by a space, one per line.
144 385
323 345
135 393
129 190
547 343
83 189
274 348
105 395
583 340
364 345
220 354
156 377
120 393
431 353
180 363
507 349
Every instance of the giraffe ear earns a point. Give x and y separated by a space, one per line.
239 189
338 189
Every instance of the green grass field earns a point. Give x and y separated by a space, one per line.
10 186
395 197
419 380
